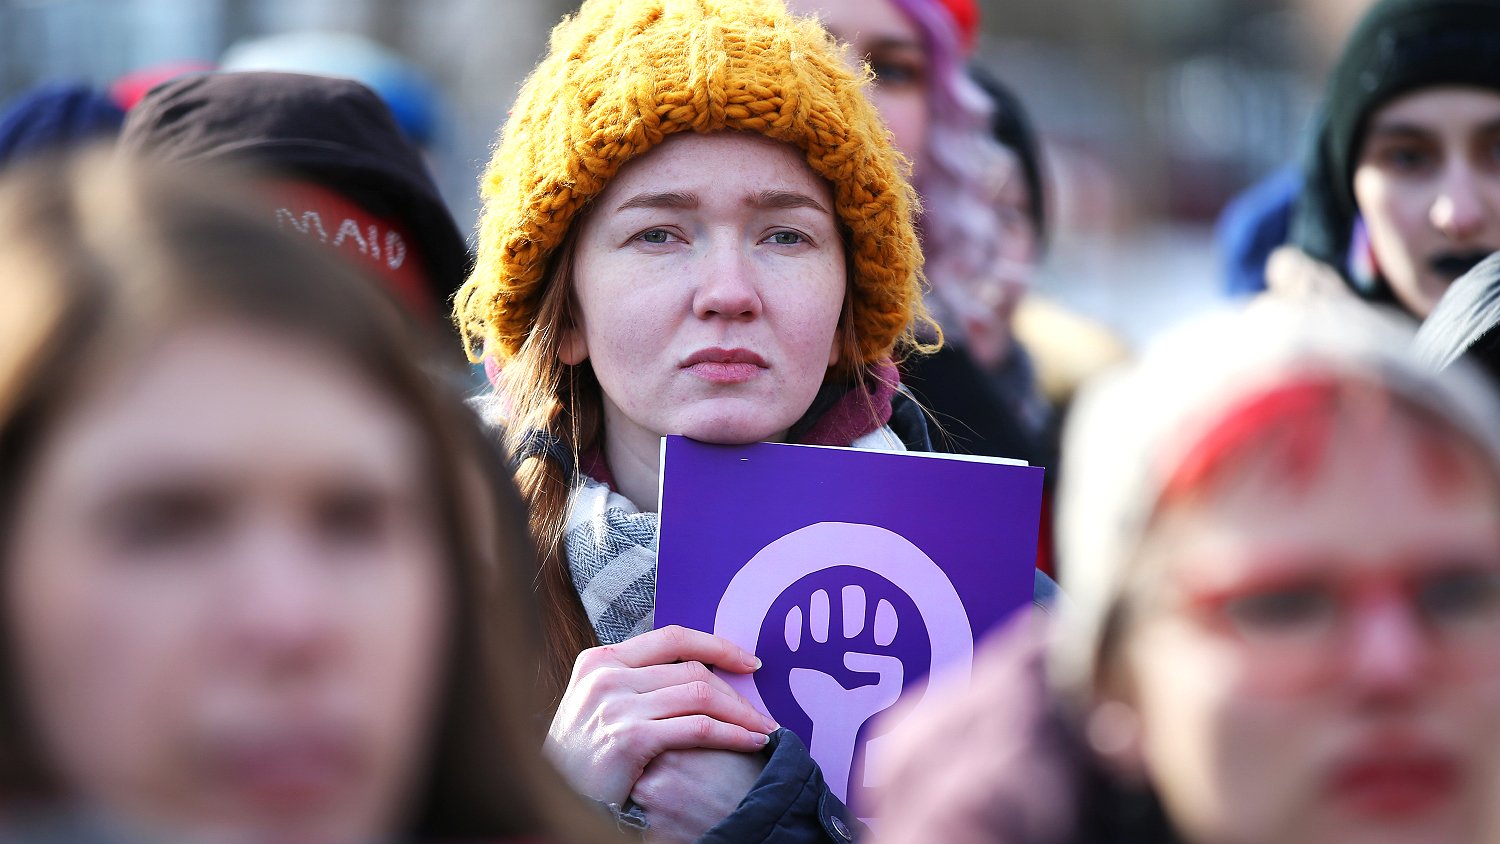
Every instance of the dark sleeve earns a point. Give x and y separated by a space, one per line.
909 422
789 804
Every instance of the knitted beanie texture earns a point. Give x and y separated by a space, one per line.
620 77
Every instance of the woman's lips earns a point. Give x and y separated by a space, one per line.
725 366
291 772
1396 786
1454 264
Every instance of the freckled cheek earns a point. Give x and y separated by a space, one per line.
805 313
808 340
821 329
630 318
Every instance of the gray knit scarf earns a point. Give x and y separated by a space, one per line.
611 549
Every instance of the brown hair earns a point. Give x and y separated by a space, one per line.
99 254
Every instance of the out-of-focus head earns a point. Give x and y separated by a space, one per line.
1283 537
1403 177
1428 188
56 117
342 171
1024 200
344 55
942 121
261 574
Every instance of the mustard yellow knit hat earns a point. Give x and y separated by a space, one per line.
621 76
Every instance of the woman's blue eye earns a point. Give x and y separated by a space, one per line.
655 236
786 238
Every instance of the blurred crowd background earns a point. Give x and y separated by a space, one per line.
1154 113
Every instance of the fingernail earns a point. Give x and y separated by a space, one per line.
771 723
762 740
755 662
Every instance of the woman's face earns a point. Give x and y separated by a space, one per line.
1322 663
882 35
708 281
1428 186
226 591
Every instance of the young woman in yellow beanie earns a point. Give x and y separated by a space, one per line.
694 225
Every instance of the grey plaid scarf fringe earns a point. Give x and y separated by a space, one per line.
611 549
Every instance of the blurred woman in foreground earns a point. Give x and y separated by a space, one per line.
259 574
1283 540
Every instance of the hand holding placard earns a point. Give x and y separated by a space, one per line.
627 703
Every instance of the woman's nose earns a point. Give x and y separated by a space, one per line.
727 286
279 612
1459 210
1390 651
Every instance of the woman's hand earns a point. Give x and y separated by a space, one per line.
627 703
687 792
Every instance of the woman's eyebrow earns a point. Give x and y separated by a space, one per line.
1411 131
669 199
777 200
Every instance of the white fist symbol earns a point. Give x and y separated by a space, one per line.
838 713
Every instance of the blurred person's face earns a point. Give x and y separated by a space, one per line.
1322 663
708 281
1428 185
1020 243
1000 285
226 592
882 35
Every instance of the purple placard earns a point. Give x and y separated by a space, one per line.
851 574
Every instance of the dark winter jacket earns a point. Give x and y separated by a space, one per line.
789 804
333 132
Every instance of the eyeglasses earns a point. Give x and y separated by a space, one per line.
1297 634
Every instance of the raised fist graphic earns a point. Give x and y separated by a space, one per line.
838 650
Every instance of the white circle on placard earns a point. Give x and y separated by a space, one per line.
824 545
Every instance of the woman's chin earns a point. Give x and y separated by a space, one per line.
734 430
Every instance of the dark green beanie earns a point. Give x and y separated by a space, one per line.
1400 46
